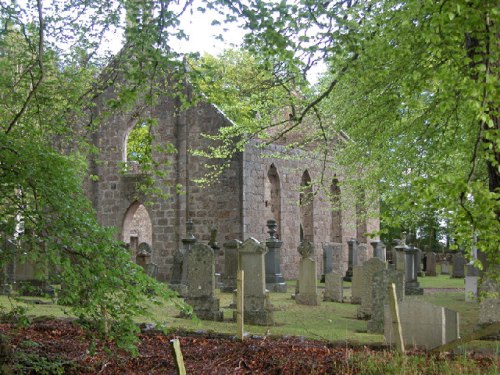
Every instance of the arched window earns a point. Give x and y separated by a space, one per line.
272 197
137 227
137 148
336 231
306 208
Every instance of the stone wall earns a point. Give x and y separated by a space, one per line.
255 187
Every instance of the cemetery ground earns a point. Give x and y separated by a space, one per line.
306 340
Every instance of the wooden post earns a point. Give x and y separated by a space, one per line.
240 308
179 360
396 323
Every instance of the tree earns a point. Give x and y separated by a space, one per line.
52 69
413 86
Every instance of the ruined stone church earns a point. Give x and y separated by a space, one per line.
255 187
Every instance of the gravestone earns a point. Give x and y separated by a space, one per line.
408 261
418 262
201 283
423 325
356 286
143 256
178 281
363 254
257 307
327 260
458 264
369 268
379 250
445 267
471 283
412 286
308 294
430 269
352 259
380 297
489 307
230 265
334 289
274 279
338 258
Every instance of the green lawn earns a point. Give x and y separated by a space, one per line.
329 321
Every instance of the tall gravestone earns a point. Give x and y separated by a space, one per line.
257 307
274 279
327 260
430 265
381 281
458 266
407 261
357 284
230 265
363 253
308 294
379 250
369 268
201 283
178 281
352 258
445 267
334 289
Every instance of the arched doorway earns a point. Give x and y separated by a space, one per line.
306 208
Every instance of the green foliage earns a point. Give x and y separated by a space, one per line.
52 70
407 109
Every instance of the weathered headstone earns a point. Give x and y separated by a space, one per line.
363 253
370 267
445 267
201 283
423 325
257 307
379 250
308 293
178 281
274 279
489 307
352 258
430 264
418 262
381 280
356 286
412 286
458 262
327 260
143 257
471 283
407 261
230 265
334 289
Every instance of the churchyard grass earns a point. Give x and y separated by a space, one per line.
441 281
329 321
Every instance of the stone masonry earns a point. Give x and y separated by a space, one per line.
255 187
